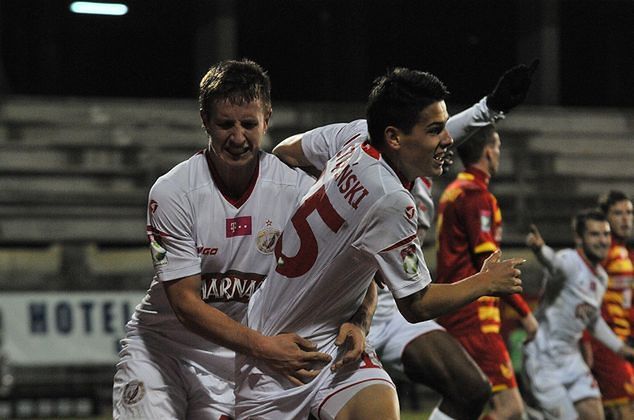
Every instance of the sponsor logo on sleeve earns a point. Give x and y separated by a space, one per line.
485 220
159 254
239 226
410 259
410 212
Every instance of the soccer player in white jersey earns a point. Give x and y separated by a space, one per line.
424 351
559 379
359 218
213 222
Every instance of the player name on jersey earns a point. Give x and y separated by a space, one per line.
348 183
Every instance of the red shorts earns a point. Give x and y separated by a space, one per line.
490 353
614 375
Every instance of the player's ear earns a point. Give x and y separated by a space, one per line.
392 139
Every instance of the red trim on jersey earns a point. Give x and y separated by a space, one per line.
151 230
399 243
426 181
215 176
346 387
349 141
587 262
370 150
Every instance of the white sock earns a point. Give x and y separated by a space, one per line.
439 415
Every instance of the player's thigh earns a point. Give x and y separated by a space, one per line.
377 401
355 391
144 389
438 360
590 409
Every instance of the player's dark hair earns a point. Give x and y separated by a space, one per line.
471 151
397 98
238 82
607 200
579 220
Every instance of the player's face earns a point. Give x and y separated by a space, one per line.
596 240
422 151
621 218
494 154
235 132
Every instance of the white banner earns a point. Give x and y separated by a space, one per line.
64 328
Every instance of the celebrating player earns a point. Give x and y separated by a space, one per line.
359 218
559 379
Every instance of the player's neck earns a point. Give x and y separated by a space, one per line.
233 181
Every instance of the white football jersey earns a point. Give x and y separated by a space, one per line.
193 228
357 219
564 314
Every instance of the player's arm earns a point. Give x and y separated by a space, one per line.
510 91
290 152
544 254
353 332
288 353
602 332
495 279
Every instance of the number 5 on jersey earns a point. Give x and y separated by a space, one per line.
307 254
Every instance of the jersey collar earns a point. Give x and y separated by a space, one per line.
215 177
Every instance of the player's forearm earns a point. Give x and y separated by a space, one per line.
363 316
290 152
217 327
464 124
440 299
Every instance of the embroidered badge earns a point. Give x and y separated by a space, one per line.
266 239
485 220
410 260
133 392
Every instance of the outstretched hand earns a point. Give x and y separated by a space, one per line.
351 338
504 276
293 356
534 239
512 87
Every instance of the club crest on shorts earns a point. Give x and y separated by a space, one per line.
266 238
410 259
133 392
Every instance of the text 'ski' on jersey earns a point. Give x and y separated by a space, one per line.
193 228
618 297
357 219
568 307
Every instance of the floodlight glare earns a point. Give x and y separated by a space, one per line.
93 8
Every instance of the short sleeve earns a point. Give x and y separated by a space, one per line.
322 143
170 231
390 236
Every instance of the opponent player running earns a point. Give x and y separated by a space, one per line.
359 218
469 229
559 379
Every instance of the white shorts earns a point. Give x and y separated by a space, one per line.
557 383
390 335
264 395
153 383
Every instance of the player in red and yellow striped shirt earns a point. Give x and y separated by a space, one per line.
469 229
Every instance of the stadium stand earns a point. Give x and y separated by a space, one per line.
75 172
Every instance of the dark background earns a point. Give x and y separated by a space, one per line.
321 50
